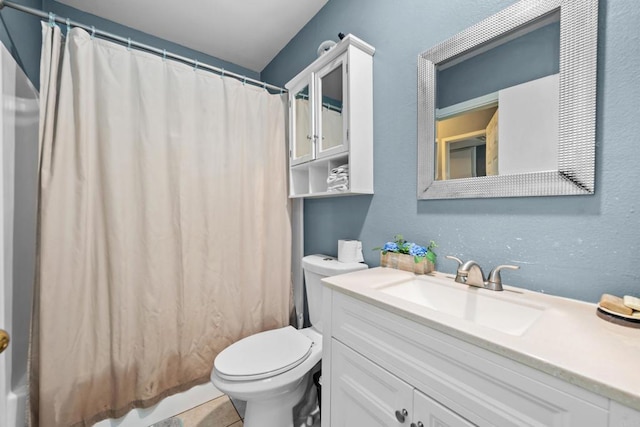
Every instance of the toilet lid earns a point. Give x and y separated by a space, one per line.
263 355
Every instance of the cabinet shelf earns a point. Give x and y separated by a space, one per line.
331 122
310 179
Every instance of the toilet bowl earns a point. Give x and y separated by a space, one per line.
271 370
270 398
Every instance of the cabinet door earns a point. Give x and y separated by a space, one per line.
430 413
622 416
301 111
331 104
363 394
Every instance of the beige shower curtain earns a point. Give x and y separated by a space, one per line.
164 233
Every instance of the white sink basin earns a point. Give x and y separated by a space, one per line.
495 310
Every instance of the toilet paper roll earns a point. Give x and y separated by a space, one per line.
350 251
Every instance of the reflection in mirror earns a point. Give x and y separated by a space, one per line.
471 135
507 106
332 121
303 140
466 156
518 76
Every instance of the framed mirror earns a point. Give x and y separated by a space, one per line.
507 107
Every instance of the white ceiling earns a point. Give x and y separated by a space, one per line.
249 33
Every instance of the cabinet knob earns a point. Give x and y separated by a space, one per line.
417 425
401 415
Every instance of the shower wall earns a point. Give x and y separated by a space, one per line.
19 171
24 114
20 33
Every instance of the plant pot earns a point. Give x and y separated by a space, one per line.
406 262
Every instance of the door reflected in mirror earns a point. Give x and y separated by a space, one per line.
467 145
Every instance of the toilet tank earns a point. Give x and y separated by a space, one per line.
316 267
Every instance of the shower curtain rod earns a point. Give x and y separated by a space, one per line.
141 46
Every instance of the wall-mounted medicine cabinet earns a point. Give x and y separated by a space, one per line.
331 123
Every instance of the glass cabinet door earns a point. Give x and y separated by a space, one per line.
301 144
331 105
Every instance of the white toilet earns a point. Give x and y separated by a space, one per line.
271 370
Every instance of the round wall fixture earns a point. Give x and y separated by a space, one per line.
325 46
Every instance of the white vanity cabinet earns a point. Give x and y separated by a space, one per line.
376 362
622 416
331 121
363 393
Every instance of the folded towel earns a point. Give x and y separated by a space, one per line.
335 176
339 181
340 169
341 187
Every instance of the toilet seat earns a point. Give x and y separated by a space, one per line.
263 355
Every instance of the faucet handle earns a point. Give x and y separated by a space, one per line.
458 260
459 278
494 282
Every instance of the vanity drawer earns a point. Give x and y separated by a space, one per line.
483 387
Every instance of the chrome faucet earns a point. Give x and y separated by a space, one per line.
494 282
470 273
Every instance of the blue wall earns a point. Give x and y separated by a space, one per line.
528 57
20 34
575 246
25 33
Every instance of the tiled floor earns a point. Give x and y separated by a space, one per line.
219 412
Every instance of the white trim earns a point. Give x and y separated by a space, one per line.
484 101
5 300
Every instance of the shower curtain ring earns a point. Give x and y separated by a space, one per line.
244 80
93 32
264 85
222 72
164 54
68 26
195 65
129 43
52 19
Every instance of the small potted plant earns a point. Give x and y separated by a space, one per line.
408 256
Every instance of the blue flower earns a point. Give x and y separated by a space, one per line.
390 247
401 246
417 250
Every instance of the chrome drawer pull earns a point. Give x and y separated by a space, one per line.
401 415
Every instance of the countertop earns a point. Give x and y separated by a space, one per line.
569 341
